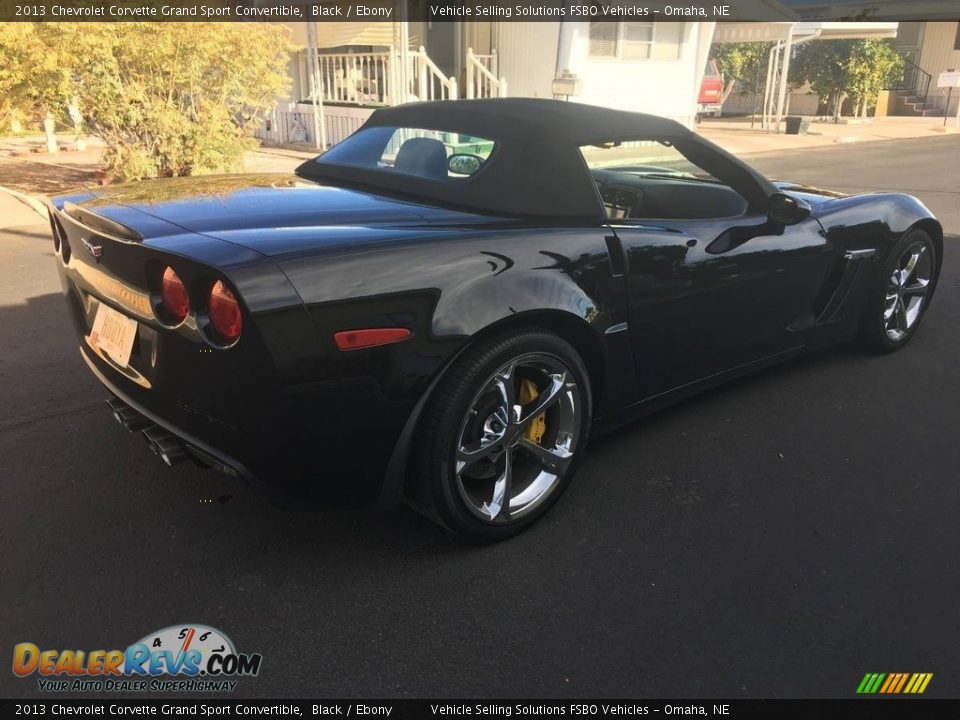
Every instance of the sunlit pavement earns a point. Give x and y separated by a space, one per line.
778 537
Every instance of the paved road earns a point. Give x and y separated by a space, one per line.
778 537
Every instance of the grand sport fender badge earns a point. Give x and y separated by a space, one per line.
92 248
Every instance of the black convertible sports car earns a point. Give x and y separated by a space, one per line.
447 304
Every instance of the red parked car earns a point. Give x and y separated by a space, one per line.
711 91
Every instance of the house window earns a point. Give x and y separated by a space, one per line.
635 40
956 40
627 40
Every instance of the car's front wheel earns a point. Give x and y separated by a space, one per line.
502 435
908 280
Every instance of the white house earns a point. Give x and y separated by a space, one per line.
929 49
346 70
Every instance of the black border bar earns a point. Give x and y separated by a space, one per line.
464 11
853 709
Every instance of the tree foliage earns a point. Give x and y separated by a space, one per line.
744 63
874 65
168 99
837 69
33 81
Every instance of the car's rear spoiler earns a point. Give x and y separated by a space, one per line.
100 223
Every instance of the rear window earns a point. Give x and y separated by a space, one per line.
431 154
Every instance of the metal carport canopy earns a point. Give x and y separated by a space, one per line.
734 32
785 35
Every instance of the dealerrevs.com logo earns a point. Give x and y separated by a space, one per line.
180 658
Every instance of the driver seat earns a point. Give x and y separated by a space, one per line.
426 157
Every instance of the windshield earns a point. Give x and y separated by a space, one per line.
430 154
646 158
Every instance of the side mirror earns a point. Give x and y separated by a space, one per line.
785 209
463 163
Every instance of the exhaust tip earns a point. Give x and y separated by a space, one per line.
127 417
167 447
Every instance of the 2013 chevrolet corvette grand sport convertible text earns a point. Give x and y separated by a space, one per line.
447 304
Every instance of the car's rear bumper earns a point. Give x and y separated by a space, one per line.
196 448
316 447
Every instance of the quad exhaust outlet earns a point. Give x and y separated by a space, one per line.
162 443
165 446
130 419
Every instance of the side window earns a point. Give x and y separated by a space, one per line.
431 154
649 178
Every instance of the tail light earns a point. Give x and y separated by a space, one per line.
174 298
224 312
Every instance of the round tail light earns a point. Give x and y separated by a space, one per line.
174 298
224 311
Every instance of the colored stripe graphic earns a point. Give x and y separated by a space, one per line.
891 679
894 683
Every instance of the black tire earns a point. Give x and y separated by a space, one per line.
434 486
874 333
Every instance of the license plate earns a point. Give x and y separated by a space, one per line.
113 333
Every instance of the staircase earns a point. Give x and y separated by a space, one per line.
907 102
911 96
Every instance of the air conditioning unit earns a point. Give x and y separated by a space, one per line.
949 79
566 84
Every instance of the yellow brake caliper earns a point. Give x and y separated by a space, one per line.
538 426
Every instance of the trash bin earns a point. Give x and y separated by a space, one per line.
797 125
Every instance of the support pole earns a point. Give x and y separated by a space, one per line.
423 92
316 88
784 78
765 120
404 53
470 88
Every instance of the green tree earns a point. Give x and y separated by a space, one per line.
837 69
874 66
744 63
167 99
823 63
33 82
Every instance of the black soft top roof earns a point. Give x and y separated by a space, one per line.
574 122
536 168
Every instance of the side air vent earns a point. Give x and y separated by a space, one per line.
842 279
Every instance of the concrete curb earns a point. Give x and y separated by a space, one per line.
35 204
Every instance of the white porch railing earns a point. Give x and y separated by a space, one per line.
353 85
288 126
491 62
373 78
356 78
428 81
481 82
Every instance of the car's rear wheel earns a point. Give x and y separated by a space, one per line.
907 283
502 435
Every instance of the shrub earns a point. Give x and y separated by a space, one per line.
168 99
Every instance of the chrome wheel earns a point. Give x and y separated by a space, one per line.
518 438
907 291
